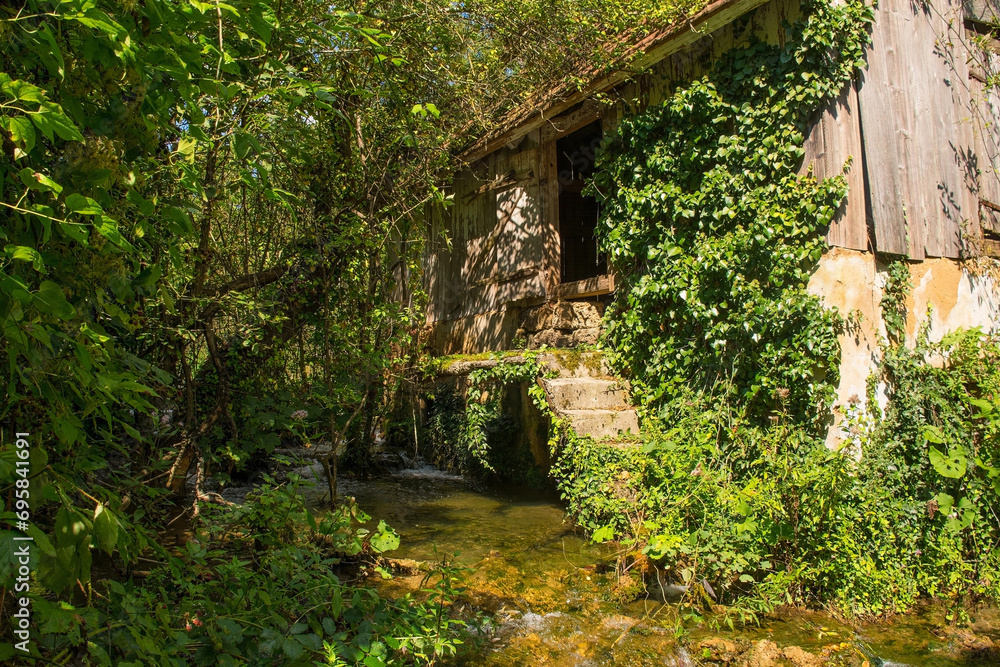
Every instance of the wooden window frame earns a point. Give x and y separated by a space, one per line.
557 128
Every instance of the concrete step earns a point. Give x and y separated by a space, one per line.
586 394
575 363
602 424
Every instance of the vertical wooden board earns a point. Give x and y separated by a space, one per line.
955 202
985 117
768 19
914 120
549 199
433 252
517 223
881 101
833 139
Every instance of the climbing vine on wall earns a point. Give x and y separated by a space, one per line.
461 428
715 233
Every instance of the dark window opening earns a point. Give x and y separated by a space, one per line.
581 258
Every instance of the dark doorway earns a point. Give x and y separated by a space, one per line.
577 213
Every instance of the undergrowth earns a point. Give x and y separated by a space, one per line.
906 508
259 584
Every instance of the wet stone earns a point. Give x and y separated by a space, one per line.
764 653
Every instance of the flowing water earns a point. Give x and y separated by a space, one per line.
553 598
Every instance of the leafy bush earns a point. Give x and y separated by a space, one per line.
714 234
769 515
257 586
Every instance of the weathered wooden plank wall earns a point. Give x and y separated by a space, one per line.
915 103
919 128
834 140
984 65
486 251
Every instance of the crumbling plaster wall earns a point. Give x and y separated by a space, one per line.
944 290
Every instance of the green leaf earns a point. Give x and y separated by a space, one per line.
985 407
108 228
951 465
50 299
603 534
25 254
39 181
51 121
384 539
71 527
97 20
77 203
292 648
22 134
181 222
41 540
52 56
186 148
105 528
77 232
260 26
944 502
933 434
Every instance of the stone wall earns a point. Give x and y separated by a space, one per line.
562 324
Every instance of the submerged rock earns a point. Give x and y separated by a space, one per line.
764 653
800 657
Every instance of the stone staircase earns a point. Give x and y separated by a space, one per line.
595 404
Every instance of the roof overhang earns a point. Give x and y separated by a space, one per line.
653 48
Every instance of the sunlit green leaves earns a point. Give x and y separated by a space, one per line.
714 232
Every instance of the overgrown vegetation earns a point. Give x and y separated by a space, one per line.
468 431
258 585
715 236
211 239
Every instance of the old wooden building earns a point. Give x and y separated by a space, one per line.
514 260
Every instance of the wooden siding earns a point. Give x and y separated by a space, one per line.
918 130
984 63
834 141
915 109
486 250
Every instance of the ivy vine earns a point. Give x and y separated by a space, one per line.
461 428
715 234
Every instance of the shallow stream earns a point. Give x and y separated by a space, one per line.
549 594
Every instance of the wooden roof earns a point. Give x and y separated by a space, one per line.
653 47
